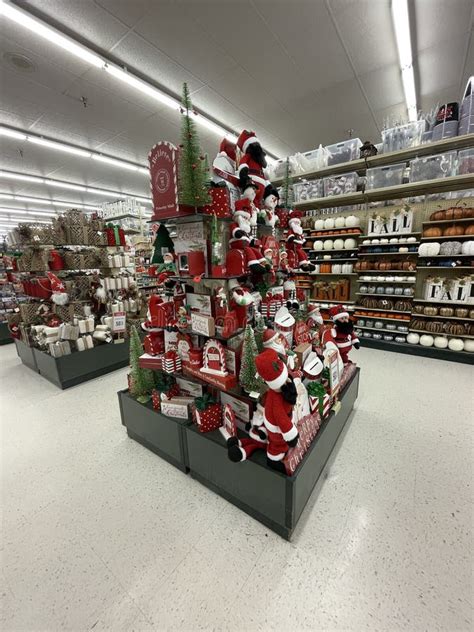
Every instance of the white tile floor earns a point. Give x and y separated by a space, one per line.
100 533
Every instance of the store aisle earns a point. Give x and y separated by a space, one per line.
100 533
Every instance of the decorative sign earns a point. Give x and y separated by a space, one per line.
229 427
203 325
192 389
163 159
242 408
399 221
334 377
199 303
178 407
119 320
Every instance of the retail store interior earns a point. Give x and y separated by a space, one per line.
237 315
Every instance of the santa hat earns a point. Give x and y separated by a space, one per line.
313 366
270 190
245 139
58 288
242 209
337 312
240 295
228 148
295 215
271 369
313 308
270 336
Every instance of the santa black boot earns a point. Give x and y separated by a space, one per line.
234 451
276 465
307 266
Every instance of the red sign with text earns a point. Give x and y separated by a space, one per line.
163 159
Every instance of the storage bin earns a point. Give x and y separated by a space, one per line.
433 167
466 125
448 129
380 177
466 161
467 107
308 190
343 152
337 185
403 136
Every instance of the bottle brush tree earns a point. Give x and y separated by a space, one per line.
163 243
287 197
141 380
248 377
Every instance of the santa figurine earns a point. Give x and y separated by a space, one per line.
295 241
343 332
241 239
271 197
59 296
284 265
240 301
252 164
280 399
314 320
312 368
223 167
167 268
246 203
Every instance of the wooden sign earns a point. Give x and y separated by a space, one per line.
334 376
163 160
186 387
178 407
241 407
203 325
199 303
229 426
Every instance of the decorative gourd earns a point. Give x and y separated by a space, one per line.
329 222
411 240
456 344
328 244
352 221
409 265
366 242
440 342
426 340
403 249
413 338
446 311
468 248
461 312
318 224
403 306
453 231
469 230
418 309
338 244
437 216
469 346
455 329
432 231
340 222
458 212
350 244
429 249
468 212
450 248
384 240
318 245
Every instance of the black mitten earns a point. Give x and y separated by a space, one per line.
294 441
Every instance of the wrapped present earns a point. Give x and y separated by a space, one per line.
172 362
319 400
207 413
146 361
86 325
113 233
220 205
84 342
60 348
68 331
155 399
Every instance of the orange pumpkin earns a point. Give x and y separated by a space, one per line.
469 230
468 212
458 212
437 216
453 231
432 231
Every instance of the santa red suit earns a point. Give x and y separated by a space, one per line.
295 240
241 239
223 167
342 333
240 301
249 166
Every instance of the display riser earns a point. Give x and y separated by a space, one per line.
26 355
5 336
275 500
82 366
162 435
419 350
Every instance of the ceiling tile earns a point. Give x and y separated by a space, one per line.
27 158
438 20
127 11
383 86
439 66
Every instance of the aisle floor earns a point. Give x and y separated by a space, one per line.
99 533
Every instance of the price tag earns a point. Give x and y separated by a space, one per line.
118 324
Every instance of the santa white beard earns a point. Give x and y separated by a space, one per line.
100 293
276 346
244 225
60 298
296 228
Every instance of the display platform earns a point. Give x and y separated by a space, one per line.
427 352
73 369
26 355
5 336
162 435
272 498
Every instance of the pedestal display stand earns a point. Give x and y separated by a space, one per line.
5 337
26 355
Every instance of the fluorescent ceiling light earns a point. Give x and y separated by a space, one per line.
115 162
22 177
35 200
17 211
60 185
59 146
55 36
401 24
11 133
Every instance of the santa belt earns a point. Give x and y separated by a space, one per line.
227 176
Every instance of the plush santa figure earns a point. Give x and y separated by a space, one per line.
295 241
223 167
240 301
241 239
312 367
314 319
59 296
289 292
271 197
167 268
246 203
284 264
252 164
279 402
343 332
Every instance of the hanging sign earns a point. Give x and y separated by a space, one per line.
163 159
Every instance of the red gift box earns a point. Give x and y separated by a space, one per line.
209 419
172 362
283 216
154 343
195 358
146 361
220 205
156 399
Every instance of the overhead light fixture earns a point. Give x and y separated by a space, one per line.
17 211
401 24
12 133
37 140
53 35
35 200
115 162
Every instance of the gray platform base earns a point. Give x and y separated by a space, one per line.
5 337
26 355
81 366
274 499
162 435
427 352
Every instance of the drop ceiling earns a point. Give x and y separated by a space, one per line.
299 72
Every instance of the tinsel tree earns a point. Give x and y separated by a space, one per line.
162 242
192 164
248 378
141 380
287 198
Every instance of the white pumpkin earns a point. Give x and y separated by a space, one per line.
411 240
350 243
469 346
410 279
328 244
394 240
318 224
456 344
468 248
384 240
375 241
352 221
318 245
366 242
329 222
426 340
403 249
380 278
338 244
327 257
413 338
340 222
440 342
429 249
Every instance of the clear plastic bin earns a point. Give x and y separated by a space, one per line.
380 177
433 167
309 190
343 152
338 185
403 136
467 107
466 161
449 129
466 125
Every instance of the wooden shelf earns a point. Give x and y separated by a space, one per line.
449 221
452 268
386 254
447 303
390 158
388 235
387 331
441 317
398 296
333 273
319 300
442 333
381 309
445 237
335 235
333 260
328 252
392 320
397 282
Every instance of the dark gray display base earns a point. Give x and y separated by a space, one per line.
427 352
5 336
81 366
26 355
162 435
272 498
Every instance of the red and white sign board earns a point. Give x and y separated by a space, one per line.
119 320
163 159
